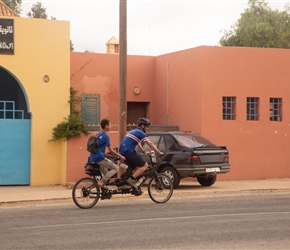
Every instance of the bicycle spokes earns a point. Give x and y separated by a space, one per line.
86 193
160 188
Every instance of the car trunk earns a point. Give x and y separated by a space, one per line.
211 154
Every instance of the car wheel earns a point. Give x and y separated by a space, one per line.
206 181
172 174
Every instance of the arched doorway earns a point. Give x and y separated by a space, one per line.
15 131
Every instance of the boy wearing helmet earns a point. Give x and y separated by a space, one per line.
128 145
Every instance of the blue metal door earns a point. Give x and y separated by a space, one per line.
14 145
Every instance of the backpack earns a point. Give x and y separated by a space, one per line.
92 144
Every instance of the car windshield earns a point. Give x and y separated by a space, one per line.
191 141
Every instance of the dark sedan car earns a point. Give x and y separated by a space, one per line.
188 154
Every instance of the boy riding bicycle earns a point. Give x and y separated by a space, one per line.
107 167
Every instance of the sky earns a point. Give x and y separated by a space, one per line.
154 27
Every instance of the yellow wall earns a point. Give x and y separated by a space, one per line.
42 47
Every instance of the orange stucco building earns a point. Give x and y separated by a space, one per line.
234 96
191 88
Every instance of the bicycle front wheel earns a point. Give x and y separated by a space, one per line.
86 193
160 188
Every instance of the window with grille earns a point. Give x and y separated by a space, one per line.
229 108
252 108
275 109
91 111
8 111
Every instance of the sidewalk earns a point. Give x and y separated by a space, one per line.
11 194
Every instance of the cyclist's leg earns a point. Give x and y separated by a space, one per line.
137 164
140 170
109 169
103 170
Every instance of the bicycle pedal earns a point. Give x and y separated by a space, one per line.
137 192
106 196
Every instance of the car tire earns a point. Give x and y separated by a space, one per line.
206 181
173 175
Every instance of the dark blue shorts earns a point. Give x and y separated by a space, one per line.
134 160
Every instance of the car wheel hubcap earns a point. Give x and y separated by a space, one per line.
169 174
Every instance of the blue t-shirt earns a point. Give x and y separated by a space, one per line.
104 140
130 141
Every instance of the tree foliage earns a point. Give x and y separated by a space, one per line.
37 11
15 5
260 26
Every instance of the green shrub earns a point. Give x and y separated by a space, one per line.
73 125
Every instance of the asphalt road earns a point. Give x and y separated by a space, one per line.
241 221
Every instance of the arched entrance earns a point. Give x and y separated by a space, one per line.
15 131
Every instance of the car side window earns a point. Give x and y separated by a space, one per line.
161 145
169 143
154 139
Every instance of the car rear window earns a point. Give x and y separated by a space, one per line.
189 140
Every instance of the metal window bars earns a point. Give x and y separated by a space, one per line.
8 111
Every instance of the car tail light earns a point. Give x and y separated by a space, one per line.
193 158
226 158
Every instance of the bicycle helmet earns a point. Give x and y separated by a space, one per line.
143 121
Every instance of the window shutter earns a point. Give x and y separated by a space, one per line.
91 111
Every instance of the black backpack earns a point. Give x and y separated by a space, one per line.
92 144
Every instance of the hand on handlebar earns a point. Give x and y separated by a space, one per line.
148 153
114 157
122 158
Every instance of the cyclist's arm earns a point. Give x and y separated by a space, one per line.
115 153
141 148
152 146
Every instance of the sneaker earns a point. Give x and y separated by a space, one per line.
131 182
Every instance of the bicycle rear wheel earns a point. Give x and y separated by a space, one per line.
86 193
160 188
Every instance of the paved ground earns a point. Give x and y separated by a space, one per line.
11 194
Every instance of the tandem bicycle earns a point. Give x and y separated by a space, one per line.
86 191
